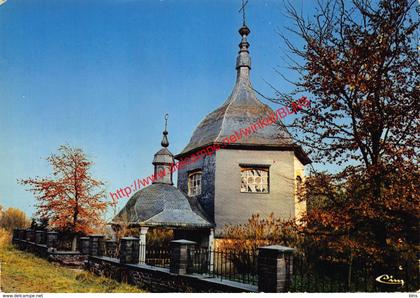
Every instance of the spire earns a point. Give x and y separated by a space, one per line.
163 160
243 61
165 142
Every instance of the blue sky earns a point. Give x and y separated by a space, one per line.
100 74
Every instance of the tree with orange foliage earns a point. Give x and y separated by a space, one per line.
360 62
71 199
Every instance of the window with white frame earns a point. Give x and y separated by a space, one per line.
194 184
254 179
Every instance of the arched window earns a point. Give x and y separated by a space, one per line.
254 180
194 184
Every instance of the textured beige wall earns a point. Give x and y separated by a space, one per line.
233 207
300 207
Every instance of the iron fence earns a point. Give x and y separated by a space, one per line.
158 256
240 266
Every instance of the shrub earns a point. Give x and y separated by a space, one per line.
5 237
242 241
13 218
259 232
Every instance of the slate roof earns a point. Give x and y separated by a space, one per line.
239 111
162 204
163 156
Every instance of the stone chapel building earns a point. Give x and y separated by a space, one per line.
257 174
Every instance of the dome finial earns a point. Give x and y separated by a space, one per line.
165 142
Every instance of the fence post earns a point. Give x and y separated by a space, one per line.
52 238
142 244
179 255
129 250
22 237
15 237
211 250
44 236
84 245
30 235
27 234
38 236
20 243
275 268
21 234
96 245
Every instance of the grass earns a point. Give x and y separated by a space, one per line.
23 272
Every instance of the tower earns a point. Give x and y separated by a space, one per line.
163 160
256 173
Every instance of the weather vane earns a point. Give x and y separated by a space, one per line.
244 3
166 120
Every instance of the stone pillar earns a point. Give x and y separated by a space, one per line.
211 249
15 236
44 236
129 250
84 245
142 245
52 239
21 234
275 268
38 236
96 243
179 255
27 236
30 235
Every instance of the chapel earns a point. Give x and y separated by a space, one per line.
257 174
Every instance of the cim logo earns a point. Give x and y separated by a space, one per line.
389 280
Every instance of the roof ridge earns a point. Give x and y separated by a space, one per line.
224 117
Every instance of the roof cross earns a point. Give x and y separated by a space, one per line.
166 120
244 3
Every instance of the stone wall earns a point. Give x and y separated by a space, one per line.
274 271
274 264
43 244
40 250
68 258
160 280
